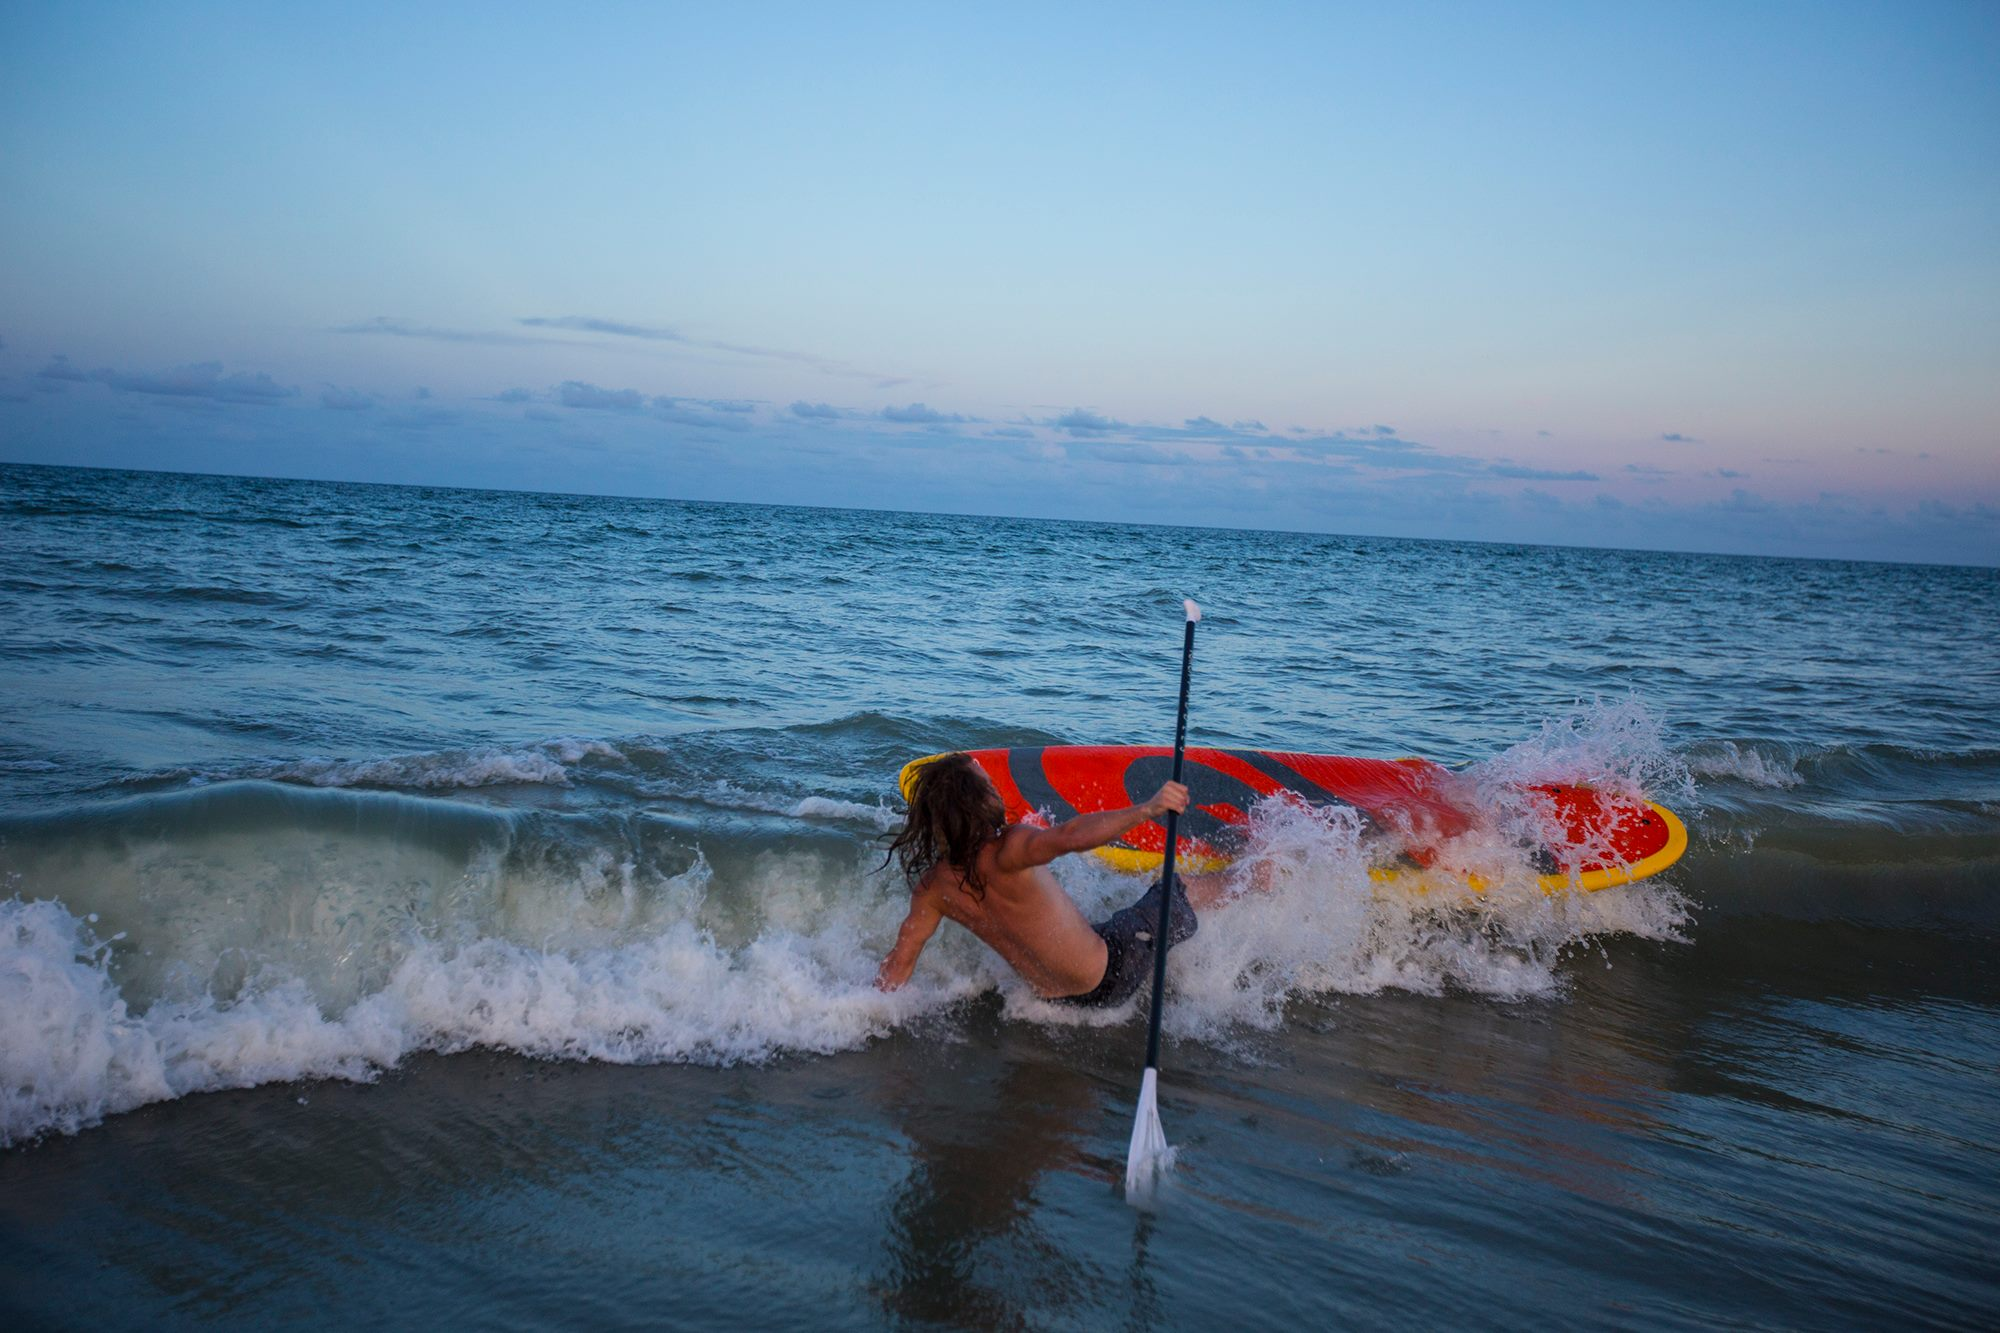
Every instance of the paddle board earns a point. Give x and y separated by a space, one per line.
1593 839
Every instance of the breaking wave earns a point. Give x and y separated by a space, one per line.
326 919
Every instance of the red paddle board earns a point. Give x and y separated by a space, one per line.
1592 839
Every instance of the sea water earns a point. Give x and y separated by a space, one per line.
449 904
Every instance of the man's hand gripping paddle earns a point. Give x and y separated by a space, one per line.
1150 1153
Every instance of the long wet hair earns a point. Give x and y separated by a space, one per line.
953 813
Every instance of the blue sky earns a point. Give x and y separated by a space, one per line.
1720 277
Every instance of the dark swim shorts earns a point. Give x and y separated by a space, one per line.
1128 945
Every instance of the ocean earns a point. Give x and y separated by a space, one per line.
449 906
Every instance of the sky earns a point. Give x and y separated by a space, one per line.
1698 276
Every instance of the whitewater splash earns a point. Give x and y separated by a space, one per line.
1305 915
73 1050
245 933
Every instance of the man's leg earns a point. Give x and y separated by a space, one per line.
1206 890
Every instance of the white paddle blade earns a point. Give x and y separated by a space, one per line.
1150 1155
1193 611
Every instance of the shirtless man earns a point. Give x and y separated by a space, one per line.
965 862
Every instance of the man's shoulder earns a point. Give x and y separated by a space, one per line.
1010 836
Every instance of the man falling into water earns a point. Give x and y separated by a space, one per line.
967 863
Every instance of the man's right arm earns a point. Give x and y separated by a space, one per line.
918 926
1025 847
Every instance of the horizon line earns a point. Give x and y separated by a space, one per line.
1018 518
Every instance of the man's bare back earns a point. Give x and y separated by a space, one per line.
1021 913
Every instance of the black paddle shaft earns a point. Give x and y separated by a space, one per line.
1161 937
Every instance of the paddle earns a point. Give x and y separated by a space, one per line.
1149 1153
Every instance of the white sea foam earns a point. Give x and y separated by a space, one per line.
679 983
276 955
1615 745
72 1050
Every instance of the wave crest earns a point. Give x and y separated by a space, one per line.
545 764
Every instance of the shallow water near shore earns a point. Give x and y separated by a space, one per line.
429 904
